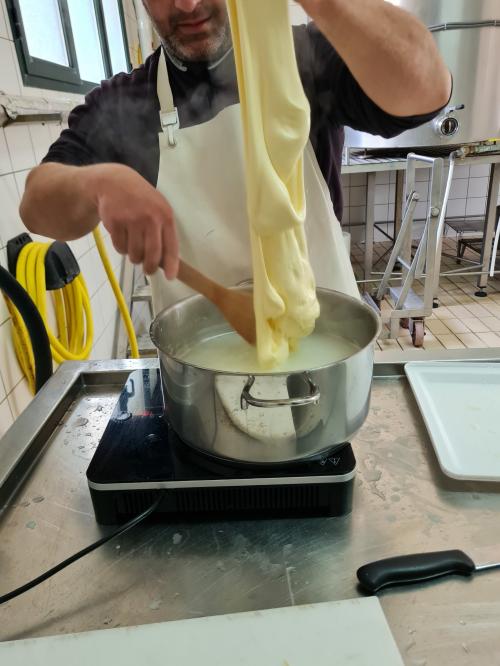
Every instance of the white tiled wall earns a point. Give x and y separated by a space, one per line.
467 197
21 148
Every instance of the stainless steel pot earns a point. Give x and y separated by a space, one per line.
265 418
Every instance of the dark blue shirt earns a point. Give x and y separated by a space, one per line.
119 121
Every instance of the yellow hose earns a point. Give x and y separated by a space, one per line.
122 306
74 338
75 328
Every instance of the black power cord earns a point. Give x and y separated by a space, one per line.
65 563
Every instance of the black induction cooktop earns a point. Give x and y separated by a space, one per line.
139 454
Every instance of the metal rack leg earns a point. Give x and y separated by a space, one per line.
489 229
406 252
370 225
398 209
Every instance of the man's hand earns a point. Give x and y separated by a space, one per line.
66 202
138 218
389 52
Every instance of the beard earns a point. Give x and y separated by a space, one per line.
208 44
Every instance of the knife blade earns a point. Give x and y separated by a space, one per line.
408 569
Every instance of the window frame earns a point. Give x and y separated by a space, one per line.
38 73
103 36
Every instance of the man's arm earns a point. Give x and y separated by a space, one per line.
66 202
85 179
56 202
390 53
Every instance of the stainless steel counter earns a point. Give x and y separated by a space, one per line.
158 572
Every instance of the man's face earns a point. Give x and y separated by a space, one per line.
194 30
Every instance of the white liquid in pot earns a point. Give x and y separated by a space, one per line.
230 353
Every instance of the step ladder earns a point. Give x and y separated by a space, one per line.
143 294
410 309
134 293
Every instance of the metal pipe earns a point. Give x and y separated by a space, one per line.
421 158
464 25
437 239
495 249
398 277
442 217
405 264
411 202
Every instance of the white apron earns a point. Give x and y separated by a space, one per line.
201 174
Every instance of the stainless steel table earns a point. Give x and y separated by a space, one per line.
158 572
371 166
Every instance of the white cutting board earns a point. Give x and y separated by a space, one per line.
353 632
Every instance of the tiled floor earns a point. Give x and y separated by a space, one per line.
463 320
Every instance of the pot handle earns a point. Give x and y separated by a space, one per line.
248 399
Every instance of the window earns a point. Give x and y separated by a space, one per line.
114 30
87 40
69 45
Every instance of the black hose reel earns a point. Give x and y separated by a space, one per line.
61 268
34 324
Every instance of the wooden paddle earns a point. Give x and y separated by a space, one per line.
235 305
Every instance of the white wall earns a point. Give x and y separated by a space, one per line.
21 148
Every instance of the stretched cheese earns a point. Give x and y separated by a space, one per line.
276 121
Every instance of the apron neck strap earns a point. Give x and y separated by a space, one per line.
169 116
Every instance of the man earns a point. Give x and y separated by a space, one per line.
363 63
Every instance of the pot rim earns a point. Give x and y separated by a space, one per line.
283 373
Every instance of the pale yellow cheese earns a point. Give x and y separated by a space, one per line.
276 121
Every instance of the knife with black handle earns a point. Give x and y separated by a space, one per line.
407 569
